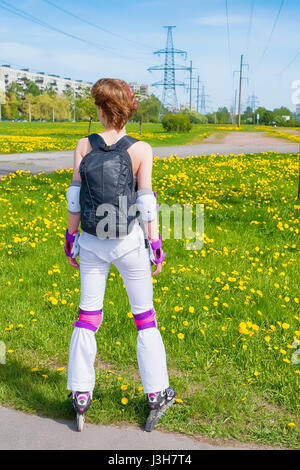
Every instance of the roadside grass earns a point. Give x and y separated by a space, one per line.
228 312
282 133
26 137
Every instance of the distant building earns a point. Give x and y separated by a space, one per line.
298 109
143 89
41 79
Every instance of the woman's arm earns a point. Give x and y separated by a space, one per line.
144 177
74 219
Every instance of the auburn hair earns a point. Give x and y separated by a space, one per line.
117 100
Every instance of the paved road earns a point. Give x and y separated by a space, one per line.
50 161
22 431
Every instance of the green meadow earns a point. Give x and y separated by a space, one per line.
228 312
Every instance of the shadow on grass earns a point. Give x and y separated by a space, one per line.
28 391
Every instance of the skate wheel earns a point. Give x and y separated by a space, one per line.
80 422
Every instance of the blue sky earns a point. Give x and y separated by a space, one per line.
134 29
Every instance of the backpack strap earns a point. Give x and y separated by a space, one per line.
124 143
96 141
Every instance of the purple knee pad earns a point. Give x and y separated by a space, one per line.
91 320
145 320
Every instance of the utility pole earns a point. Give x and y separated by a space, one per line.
240 91
169 98
234 108
240 88
191 72
53 118
203 101
198 89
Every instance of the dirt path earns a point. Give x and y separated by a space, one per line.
244 139
231 143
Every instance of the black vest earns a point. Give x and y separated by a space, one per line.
107 189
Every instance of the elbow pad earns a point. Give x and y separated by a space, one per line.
146 203
73 200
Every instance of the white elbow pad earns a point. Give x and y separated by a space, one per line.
146 203
73 193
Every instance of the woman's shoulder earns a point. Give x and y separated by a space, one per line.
83 146
142 147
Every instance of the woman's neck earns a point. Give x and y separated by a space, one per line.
111 131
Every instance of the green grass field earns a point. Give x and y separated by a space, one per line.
20 137
228 313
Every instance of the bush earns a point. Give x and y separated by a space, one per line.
195 117
176 122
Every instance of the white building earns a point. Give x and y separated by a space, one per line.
143 89
41 79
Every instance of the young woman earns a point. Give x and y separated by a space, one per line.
130 254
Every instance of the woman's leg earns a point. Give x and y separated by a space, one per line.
83 347
135 270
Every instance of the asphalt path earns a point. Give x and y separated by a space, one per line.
23 431
250 143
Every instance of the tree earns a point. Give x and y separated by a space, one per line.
211 118
223 116
195 117
10 109
267 118
86 110
248 116
282 111
32 88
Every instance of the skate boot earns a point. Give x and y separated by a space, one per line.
158 403
81 402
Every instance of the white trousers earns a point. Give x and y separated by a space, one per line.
134 267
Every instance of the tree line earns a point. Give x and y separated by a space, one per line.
32 104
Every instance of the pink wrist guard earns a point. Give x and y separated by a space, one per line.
71 244
156 253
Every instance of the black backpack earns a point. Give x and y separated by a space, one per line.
106 175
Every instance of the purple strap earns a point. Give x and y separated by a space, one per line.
83 324
70 237
145 320
157 245
90 312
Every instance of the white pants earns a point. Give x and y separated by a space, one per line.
134 267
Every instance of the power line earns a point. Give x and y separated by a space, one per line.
83 20
27 16
228 34
290 63
272 31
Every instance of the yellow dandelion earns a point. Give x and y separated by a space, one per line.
124 401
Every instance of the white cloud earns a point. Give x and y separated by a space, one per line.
20 52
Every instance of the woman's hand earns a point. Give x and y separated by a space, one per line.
73 262
157 270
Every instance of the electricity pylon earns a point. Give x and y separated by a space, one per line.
169 98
